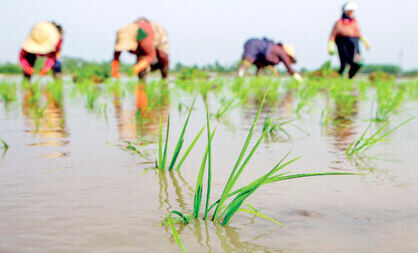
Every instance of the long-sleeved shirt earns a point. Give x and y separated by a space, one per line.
49 62
345 28
276 54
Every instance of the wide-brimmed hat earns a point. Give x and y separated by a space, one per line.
127 38
43 38
290 51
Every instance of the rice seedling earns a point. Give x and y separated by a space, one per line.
305 95
54 92
90 90
231 201
226 105
275 127
365 143
389 99
8 92
345 99
161 163
4 144
37 113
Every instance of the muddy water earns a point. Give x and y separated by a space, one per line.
65 185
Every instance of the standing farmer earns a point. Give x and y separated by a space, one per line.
44 40
148 41
346 34
265 53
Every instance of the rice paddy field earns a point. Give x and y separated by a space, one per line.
209 165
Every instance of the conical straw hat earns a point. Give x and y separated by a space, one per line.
290 51
127 38
43 39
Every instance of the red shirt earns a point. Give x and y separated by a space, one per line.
50 61
345 28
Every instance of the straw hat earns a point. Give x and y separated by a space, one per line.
43 39
127 38
290 51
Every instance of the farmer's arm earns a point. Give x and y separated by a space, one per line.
285 59
359 35
146 44
334 31
49 63
331 43
27 68
51 58
147 47
115 64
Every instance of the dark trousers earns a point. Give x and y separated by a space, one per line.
348 49
161 64
31 58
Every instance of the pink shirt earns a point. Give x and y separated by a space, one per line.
345 28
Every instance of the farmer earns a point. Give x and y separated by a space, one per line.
265 53
346 34
148 41
44 40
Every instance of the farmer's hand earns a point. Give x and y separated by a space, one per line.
28 70
140 66
115 68
366 43
298 77
331 50
43 72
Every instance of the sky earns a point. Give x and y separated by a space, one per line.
205 31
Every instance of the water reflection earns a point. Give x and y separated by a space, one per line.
142 118
44 113
203 231
340 127
168 180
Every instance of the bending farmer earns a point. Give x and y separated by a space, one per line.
265 53
346 34
44 40
149 42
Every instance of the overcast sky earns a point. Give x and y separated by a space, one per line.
203 31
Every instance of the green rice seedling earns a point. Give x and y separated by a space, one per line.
90 90
92 94
171 223
365 143
411 87
199 182
4 143
226 105
189 149
37 113
8 92
162 157
305 95
389 99
54 91
230 201
181 139
343 94
275 127
259 85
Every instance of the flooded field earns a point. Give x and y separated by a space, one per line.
71 181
